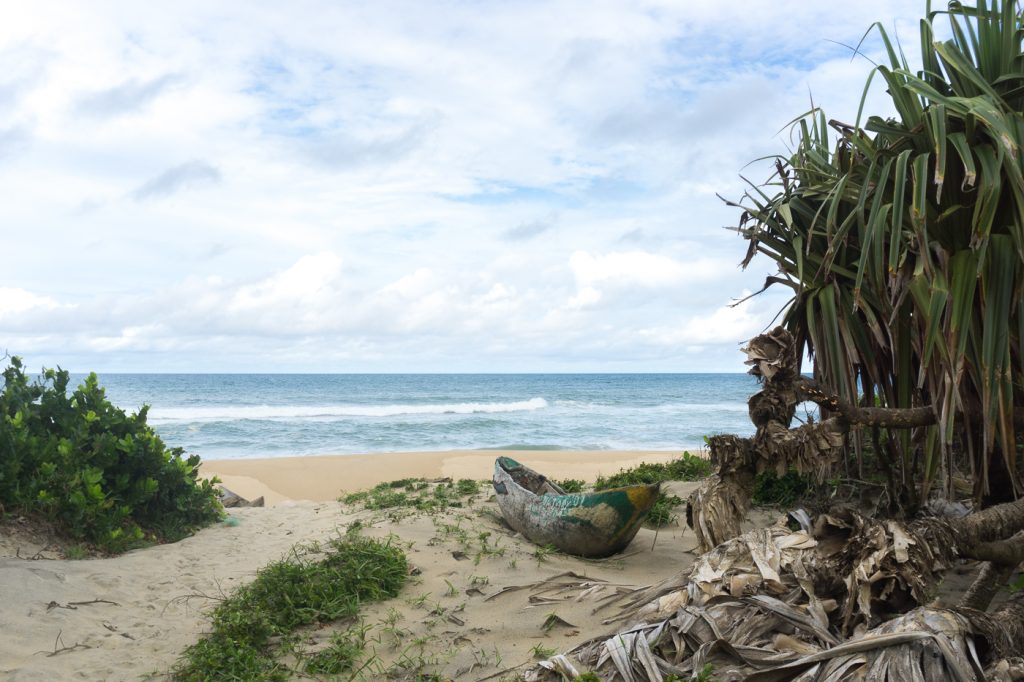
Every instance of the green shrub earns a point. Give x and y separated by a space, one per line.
770 489
99 474
352 498
571 485
687 468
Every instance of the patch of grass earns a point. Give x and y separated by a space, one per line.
340 655
415 493
661 513
542 552
687 468
407 483
487 549
770 489
571 485
541 651
705 674
386 499
252 627
76 552
467 486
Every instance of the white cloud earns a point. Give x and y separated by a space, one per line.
307 283
469 186
14 301
729 324
640 274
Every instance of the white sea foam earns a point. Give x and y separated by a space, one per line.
663 407
223 413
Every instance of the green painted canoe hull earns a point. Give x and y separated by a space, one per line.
596 524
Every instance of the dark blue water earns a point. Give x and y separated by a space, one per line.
265 415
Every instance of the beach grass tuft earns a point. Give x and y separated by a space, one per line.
416 493
341 654
254 628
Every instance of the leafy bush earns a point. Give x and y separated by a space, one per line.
770 489
687 468
571 485
255 624
99 474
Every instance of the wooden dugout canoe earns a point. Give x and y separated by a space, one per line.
595 524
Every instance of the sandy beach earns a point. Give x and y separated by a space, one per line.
325 477
476 605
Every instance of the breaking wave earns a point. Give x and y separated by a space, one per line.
228 413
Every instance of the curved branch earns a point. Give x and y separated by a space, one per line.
898 417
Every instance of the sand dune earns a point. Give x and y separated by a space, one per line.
151 602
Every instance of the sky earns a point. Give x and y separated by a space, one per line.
402 186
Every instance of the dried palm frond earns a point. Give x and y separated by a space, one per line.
715 511
887 567
921 646
766 639
772 354
779 600
756 560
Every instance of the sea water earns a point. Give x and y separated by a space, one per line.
265 415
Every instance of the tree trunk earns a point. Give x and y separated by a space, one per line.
991 578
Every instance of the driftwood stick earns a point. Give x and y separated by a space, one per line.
73 605
59 647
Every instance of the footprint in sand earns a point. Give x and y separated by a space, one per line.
105 580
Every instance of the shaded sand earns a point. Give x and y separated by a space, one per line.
452 617
325 477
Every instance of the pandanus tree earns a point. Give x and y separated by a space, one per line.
902 240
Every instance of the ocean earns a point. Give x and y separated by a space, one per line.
221 416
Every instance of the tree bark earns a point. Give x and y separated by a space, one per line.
1003 630
852 415
1000 522
989 581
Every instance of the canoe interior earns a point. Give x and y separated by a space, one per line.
536 483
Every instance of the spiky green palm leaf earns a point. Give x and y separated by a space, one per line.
903 240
